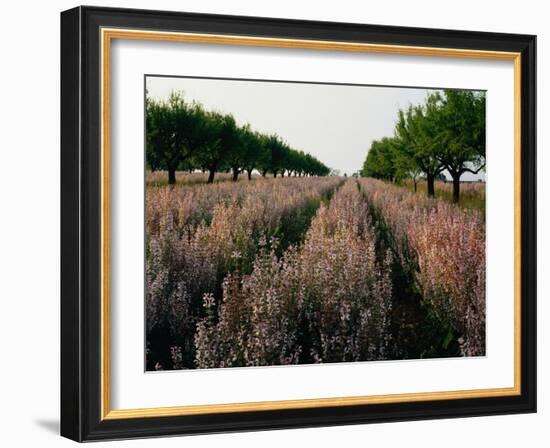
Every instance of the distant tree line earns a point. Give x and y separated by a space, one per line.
182 135
446 133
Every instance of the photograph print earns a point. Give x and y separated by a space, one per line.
297 223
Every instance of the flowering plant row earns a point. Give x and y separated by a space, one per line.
444 247
327 300
285 271
196 235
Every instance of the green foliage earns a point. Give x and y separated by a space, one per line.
461 122
175 130
381 160
184 136
446 133
221 135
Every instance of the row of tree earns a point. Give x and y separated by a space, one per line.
445 134
184 136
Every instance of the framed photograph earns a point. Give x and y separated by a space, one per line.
273 223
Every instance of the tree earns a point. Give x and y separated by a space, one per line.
417 135
380 161
263 160
276 151
406 167
300 163
184 136
445 133
220 138
171 128
239 152
461 118
255 150
159 143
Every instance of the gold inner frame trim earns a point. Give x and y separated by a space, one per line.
107 35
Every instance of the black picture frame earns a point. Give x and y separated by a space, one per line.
81 223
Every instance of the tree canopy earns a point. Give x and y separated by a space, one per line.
184 136
446 133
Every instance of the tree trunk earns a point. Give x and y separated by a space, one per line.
249 174
211 175
456 189
264 173
171 176
274 173
431 185
235 174
415 185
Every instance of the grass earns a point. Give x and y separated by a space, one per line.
472 194
160 178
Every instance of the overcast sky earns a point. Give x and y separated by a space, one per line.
335 123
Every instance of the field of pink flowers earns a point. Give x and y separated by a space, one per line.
309 270
442 247
327 300
197 235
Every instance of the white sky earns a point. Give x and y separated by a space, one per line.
335 123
